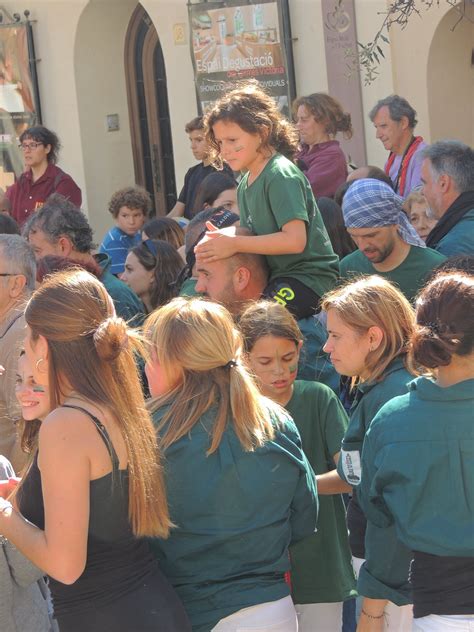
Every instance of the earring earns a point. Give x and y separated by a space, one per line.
38 362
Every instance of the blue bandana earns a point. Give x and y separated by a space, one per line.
370 203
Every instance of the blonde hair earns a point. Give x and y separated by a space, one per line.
94 351
201 339
374 302
415 197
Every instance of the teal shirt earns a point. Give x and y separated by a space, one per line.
460 239
384 574
236 513
321 566
189 288
127 304
314 363
409 276
418 468
280 194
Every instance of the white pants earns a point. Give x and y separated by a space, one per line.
444 623
319 617
272 616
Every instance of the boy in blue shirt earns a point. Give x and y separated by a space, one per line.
130 208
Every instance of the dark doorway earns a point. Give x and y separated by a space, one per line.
148 108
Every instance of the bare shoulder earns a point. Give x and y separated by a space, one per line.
67 425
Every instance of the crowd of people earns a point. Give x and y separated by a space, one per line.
255 412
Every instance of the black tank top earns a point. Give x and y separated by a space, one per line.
117 562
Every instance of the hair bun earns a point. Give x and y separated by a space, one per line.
432 347
111 338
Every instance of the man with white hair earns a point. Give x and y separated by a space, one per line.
17 281
388 244
447 174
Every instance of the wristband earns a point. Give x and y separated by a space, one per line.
371 616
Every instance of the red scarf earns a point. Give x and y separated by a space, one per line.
400 181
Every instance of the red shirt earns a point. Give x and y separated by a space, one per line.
326 167
27 196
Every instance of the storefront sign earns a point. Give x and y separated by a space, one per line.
18 105
240 41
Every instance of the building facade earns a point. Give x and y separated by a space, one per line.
110 69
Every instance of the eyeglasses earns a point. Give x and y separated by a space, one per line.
25 146
2 274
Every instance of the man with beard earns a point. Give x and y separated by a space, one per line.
388 244
239 280
447 174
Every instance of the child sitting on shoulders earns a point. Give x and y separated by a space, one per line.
246 130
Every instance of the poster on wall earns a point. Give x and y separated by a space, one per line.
236 41
18 101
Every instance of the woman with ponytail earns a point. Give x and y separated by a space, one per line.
95 487
418 459
239 486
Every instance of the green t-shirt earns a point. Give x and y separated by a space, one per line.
280 194
409 276
235 513
189 288
321 569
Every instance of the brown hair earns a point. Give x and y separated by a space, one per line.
374 302
255 111
444 320
267 318
166 229
194 125
163 259
93 350
134 198
200 338
327 111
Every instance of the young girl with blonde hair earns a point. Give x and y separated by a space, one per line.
370 324
95 487
239 486
246 130
321 572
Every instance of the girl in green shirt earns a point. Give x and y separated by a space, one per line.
321 571
246 130
370 323
239 486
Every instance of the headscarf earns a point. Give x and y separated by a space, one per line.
370 203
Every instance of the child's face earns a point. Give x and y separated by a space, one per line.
274 361
130 220
227 199
237 147
32 397
420 220
198 144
